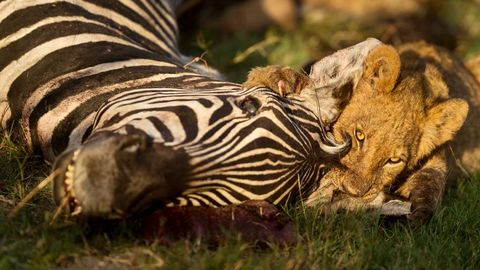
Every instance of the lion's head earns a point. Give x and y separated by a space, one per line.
398 114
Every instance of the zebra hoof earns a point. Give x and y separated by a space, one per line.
114 176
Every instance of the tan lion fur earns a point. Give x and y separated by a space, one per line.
284 80
405 118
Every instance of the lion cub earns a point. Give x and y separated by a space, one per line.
408 104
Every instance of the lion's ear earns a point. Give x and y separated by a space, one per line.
382 68
441 124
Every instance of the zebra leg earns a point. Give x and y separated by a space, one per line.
115 175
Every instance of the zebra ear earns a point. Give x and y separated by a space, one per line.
331 102
343 67
335 77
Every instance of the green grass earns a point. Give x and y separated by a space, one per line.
451 240
319 35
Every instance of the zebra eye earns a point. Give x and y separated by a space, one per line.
250 105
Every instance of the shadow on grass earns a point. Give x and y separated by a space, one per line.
449 241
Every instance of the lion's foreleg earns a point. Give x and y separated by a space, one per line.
424 188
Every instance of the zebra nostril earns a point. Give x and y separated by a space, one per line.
133 145
249 105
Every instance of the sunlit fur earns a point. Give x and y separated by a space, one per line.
72 70
406 124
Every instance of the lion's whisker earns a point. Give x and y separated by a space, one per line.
32 193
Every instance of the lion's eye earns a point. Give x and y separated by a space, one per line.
394 160
359 135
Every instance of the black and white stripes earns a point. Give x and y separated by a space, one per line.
61 59
235 154
72 70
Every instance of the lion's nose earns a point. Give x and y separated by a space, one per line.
356 186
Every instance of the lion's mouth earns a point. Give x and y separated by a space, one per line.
73 203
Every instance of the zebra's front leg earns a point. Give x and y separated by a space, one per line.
113 176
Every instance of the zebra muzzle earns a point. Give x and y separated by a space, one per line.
114 176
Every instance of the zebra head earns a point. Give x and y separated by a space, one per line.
216 146
101 88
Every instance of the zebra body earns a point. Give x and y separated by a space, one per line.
262 156
73 55
101 81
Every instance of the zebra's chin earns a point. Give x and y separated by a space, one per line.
114 176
